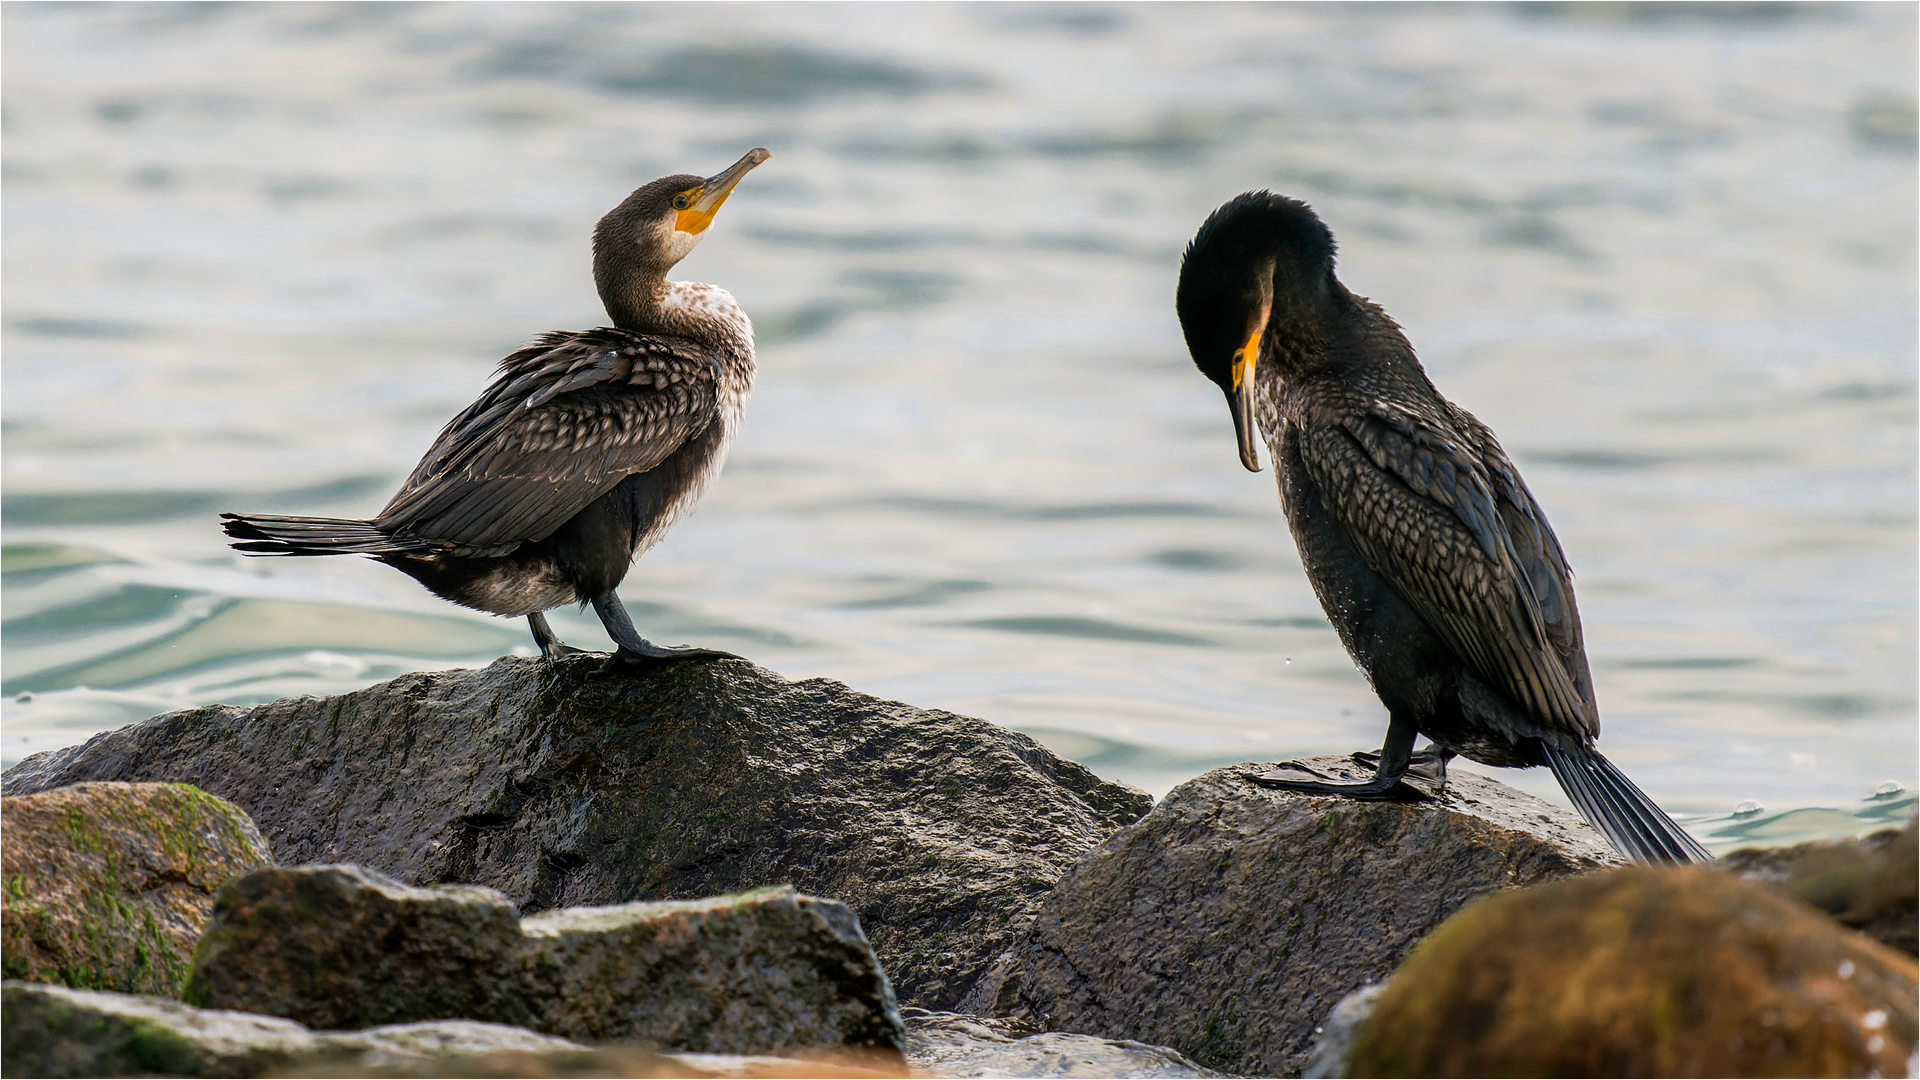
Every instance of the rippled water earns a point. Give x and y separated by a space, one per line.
257 255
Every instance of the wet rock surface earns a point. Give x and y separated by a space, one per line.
1643 971
1228 922
339 947
951 1044
108 886
943 833
1871 884
56 1032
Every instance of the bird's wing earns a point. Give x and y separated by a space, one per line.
568 418
1436 507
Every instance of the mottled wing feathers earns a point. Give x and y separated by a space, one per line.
567 419
1435 506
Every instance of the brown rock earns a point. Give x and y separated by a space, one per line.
337 947
560 788
1871 884
108 886
56 1032
1227 923
1643 971
341 947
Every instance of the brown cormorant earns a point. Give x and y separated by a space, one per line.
585 450
1428 553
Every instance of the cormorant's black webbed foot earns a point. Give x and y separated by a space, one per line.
1429 764
1294 776
1394 777
550 645
636 651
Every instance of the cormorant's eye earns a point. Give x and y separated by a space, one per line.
681 202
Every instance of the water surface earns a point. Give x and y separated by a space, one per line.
257 255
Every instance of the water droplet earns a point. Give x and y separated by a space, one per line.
1747 809
1846 969
1889 790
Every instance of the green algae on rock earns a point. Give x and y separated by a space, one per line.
342 947
108 885
1871 883
1643 971
56 1032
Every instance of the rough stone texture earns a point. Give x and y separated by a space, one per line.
56 1032
1643 971
606 1061
108 886
1870 884
1227 922
950 1044
559 788
339 947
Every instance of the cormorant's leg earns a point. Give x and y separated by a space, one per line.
1395 756
635 649
1429 763
551 646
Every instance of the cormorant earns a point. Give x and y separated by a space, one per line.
1424 546
587 447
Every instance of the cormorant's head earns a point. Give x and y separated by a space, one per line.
660 223
1258 252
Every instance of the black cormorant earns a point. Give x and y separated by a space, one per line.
1426 549
585 450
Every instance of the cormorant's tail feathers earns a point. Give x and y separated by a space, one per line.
1622 812
272 534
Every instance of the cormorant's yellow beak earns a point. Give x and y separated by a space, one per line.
1240 400
706 199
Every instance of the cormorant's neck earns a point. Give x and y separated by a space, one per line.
633 295
1308 310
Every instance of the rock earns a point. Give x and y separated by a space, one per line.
1870 884
1643 971
340 947
950 1044
1227 922
1333 1050
559 788
606 1061
56 1032
108 886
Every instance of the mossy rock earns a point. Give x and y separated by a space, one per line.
342 947
109 885
1643 971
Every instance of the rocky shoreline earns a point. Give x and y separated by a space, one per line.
711 865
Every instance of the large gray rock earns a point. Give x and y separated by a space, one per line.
108 886
951 1044
560 788
56 1032
339 947
1229 921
